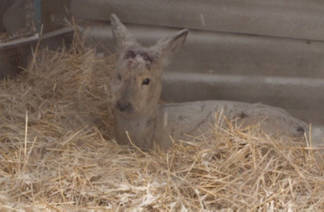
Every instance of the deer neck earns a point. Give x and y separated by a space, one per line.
139 128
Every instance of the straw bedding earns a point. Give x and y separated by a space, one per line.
57 152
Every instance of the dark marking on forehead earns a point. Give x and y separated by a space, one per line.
131 54
146 56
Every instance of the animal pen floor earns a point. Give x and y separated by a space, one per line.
57 153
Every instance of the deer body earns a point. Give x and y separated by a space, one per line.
184 120
142 120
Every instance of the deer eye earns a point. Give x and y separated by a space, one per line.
130 54
146 81
119 77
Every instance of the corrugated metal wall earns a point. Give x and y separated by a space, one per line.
300 19
248 50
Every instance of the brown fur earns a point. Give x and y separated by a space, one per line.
137 89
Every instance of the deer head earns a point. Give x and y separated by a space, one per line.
137 82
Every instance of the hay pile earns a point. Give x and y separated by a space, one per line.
57 153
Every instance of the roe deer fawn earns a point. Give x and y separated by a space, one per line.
137 88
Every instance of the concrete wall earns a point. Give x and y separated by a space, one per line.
248 50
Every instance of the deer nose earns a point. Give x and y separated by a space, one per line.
300 130
124 106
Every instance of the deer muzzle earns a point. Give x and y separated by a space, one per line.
124 106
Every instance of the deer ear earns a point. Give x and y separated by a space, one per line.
171 44
121 35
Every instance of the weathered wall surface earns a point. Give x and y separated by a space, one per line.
281 72
248 50
302 19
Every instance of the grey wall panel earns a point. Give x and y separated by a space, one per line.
222 53
302 97
300 19
280 72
